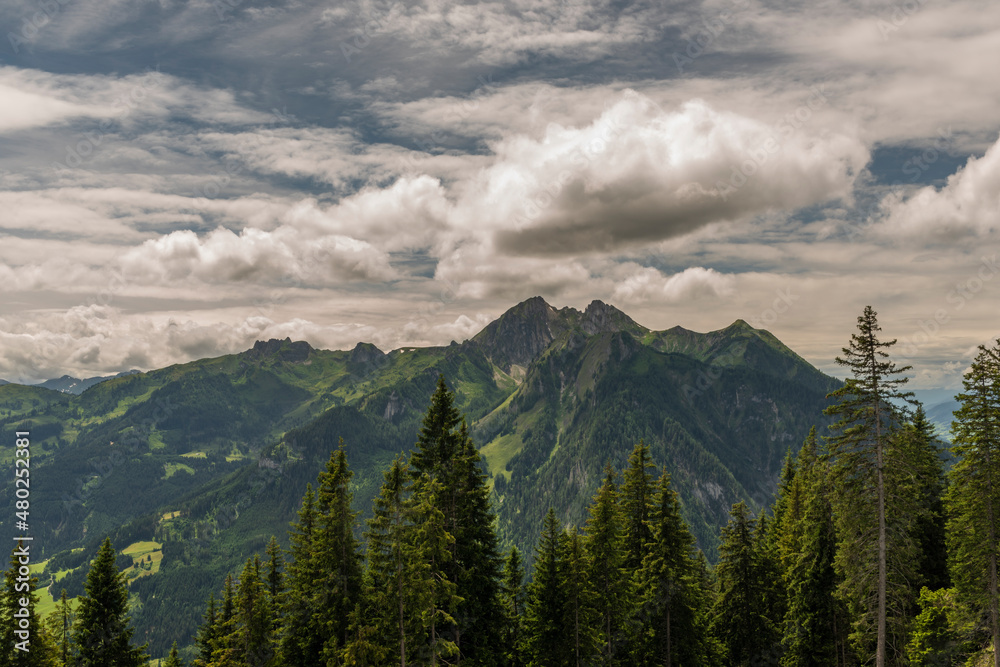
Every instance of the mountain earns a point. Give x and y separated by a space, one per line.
941 415
210 458
72 385
719 410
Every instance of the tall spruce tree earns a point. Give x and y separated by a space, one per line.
671 624
512 602
208 632
925 474
435 595
636 501
391 627
252 637
580 620
60 627
545 635
974 492
868 415
275 571
224 648
336 559
103 632
173 658
606 556
301 645
809 548
478 563
744 615
445 453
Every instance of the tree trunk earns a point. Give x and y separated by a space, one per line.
880 481
880 645
669 651
990 517
402 626
994 611
576 629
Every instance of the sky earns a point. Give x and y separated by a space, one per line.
181 178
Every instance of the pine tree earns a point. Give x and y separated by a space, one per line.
439 438
336 559
300 644
942 631
703 594
103 631
435 596
544 632
580 620
974 492
34 648
744 611
606 553
787 507
208 633
389 628
926 475
224 648
252 638
513 601
275 573
810 624
867 422
173 659
670 620
636 500
478 565
445 453
60 625
363 646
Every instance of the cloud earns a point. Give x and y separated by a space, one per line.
649 284
283 256
35 98
639 174
507 33
23 109
406 215
968 204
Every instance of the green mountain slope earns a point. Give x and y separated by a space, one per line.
211 458
718 409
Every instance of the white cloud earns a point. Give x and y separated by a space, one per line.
35 98
283 256
696 282
639 174
968 204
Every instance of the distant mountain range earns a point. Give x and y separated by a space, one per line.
941 415
71 385
211 458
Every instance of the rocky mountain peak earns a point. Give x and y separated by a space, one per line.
601 317
366 353
285 350
521 334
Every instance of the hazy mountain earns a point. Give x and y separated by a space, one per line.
72 385
212 457
941 415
